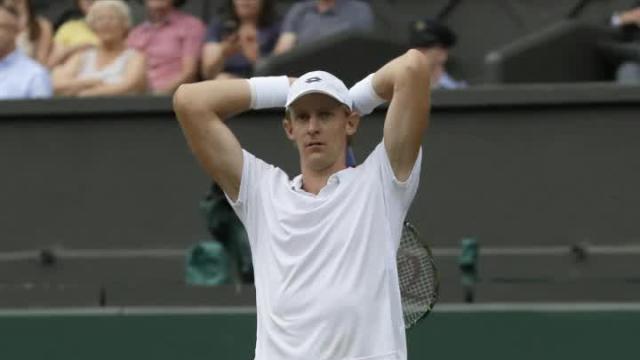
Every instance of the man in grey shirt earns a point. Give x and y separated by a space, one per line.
309 21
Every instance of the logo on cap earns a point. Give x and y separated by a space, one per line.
313 79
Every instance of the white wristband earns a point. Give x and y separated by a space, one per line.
268 92
364 96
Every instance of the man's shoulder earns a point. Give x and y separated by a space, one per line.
376 155
260 173
263 166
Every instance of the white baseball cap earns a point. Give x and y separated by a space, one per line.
319 82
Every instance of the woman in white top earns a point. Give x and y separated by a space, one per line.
111 68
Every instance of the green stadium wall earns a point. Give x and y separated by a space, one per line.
521 335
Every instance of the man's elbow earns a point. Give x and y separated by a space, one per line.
416 63
183 101
416 67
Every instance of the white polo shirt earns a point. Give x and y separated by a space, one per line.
325 269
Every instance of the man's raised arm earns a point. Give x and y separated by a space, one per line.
201 109
404 81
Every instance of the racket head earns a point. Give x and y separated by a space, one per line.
418 276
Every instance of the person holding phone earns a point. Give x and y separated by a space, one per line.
245 31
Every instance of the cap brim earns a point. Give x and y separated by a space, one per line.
316 91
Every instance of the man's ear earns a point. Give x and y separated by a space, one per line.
353 120
288 129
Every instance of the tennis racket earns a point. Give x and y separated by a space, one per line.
418 276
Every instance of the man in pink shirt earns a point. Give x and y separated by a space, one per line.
171 40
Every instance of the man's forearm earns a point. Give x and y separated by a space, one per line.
379 87
229 97
223 98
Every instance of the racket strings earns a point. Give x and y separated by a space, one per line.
417 275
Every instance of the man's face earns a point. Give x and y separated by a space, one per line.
319 125
159 7
438 57
8 32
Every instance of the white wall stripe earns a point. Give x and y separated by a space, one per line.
233 310
554 250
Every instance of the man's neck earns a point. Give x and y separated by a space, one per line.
325 5
160 16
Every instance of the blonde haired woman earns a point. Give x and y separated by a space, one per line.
110 68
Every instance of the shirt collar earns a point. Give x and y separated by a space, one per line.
334 180
296 183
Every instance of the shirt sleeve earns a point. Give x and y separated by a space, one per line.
40 86
193 39
397 194
254 172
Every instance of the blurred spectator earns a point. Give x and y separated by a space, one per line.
111 68
72 36
434 40
246 32
20 76
36 32
309 21
629 23
171 41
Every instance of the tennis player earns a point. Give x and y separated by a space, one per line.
324 243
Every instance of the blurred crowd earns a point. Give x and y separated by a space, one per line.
100 53
628 22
